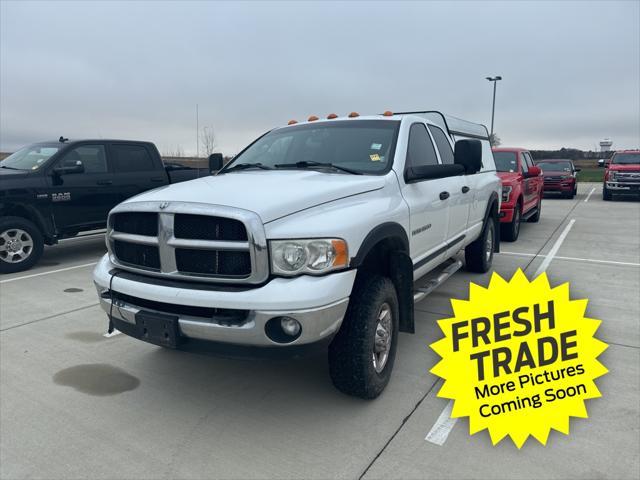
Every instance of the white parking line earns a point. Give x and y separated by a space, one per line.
48 272
441 429
574 259
556 246
589 196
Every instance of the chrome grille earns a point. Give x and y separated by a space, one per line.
190 241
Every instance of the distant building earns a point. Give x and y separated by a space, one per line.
605 145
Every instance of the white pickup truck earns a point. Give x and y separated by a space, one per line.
317 231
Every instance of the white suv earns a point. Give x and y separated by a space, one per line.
316 231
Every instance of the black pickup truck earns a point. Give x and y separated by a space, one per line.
54 190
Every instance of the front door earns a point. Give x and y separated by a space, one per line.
81 199
429 211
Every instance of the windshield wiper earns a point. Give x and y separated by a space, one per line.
317 164
245 166
10 168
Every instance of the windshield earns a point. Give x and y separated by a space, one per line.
555 166
363 146
29 158
626 158
506 161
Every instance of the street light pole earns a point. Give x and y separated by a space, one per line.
493 107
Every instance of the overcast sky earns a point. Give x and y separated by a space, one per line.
137 70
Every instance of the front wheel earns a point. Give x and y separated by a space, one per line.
606 194
511 230
536 217
21 244
362 354
479 254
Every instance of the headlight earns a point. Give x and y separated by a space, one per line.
612 175
506 191
313 256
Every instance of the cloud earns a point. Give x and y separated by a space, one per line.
137 69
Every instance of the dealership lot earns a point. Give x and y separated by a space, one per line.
78 404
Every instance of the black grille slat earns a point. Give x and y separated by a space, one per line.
202 227
223 315
213 262
145 256
136 223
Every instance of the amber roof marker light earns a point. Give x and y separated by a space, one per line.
331 116
312 118
292 122
354 115
388 114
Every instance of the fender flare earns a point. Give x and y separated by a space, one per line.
379 233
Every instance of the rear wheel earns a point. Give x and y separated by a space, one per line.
479 254
362 354
21 244
511 230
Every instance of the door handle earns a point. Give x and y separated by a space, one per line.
444 195
104 182
465 189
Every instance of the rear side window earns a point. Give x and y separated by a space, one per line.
420 151
444 147
131 158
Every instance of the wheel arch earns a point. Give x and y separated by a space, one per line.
493 209
385 251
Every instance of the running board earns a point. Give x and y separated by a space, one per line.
421 292
530 213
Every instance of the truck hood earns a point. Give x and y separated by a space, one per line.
509 177
620 167
271 194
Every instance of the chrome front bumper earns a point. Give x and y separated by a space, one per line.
623 186
318 303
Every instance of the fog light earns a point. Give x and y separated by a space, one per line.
290 326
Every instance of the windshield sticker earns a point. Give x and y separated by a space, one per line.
375 157
376 146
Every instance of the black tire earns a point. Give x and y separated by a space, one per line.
510 231
606 194
536 218
10 231
351 352
476 257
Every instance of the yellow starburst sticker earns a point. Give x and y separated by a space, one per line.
519 358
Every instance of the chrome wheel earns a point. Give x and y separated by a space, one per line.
16 245
488 244
382 341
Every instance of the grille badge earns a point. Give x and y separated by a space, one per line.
163 205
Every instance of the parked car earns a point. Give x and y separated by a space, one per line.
54 190
560 176
622 176
315 232
521 190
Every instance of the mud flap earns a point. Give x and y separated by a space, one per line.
401 269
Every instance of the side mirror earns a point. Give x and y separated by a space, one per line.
430 172
69 169
468 153
534 171
216 162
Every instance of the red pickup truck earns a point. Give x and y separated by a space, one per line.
521 190
622 175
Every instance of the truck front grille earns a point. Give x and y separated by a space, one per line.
145 256
213 262
137 223
189 241
201 227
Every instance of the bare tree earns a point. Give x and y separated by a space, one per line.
208 141
173 152
494 140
